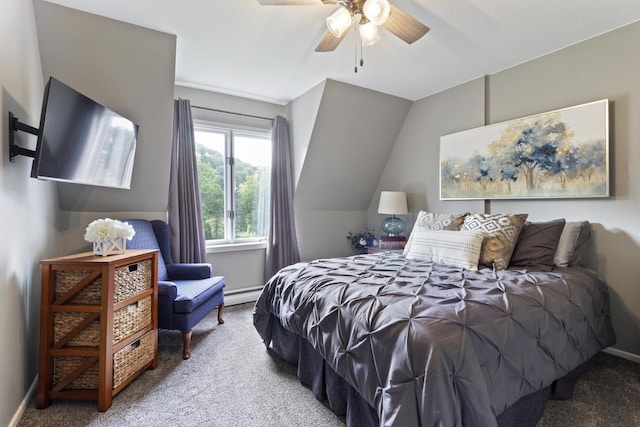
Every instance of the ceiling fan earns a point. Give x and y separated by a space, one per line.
367 15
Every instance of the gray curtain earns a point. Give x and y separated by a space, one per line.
185 212
282 248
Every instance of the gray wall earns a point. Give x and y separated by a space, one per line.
345 146
413 165
130 70
604 67
607 66
28 213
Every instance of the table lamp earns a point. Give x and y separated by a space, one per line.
393 203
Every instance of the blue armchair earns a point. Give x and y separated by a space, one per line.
186 292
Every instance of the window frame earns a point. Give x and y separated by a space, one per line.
230 130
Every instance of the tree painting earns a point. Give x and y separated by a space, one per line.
557 154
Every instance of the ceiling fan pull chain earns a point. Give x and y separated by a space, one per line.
355 48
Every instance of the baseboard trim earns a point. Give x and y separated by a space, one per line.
624 354
23 405
242 297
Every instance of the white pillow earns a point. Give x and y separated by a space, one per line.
435 221
456 248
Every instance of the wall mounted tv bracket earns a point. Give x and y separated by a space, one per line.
16 150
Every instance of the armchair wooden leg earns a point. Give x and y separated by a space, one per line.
186 345
220 309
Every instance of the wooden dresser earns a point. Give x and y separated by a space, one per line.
98 325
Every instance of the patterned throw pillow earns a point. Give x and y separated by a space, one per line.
456 248
435 221
501 232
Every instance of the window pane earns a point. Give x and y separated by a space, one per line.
210 154
252 173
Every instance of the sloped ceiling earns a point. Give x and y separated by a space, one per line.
352 137
222 43
130 70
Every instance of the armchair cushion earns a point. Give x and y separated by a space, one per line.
192 293
184 271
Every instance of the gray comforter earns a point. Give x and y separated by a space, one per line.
426 344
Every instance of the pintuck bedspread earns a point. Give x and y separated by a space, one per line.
427 344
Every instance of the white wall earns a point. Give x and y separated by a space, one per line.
28 213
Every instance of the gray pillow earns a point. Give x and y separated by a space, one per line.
537 244
573 244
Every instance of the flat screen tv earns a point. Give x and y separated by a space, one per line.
83 142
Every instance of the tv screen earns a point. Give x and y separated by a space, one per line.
83 142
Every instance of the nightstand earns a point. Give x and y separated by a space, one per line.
377 249
388 244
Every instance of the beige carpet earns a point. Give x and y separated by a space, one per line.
232 380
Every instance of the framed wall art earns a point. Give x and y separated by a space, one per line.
559 154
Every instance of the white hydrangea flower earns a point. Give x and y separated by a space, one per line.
105 229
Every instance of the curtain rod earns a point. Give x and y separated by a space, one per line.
231 112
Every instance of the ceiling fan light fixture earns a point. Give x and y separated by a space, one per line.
369 34
339 22
377 11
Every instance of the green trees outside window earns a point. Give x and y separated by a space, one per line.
234 193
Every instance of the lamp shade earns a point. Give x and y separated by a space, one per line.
339 21
369 34
377 11
393 203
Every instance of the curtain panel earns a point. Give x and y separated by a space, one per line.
185 211
282 247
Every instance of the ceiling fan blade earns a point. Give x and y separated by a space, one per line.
329 42
295 2
404 25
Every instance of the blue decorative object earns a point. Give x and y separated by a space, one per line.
393 226
393 203
360 241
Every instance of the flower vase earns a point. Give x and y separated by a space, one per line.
110 246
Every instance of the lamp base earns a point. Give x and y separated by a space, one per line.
393 226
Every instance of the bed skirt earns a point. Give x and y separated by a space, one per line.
345 401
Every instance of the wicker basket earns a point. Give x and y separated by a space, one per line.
130 280
128 360
126 321
65 365
67 279
131 319
65 322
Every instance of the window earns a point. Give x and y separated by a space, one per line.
234 173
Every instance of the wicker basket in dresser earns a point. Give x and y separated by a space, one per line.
98 325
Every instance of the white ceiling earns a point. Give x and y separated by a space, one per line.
241 48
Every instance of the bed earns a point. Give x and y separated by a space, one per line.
392 340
